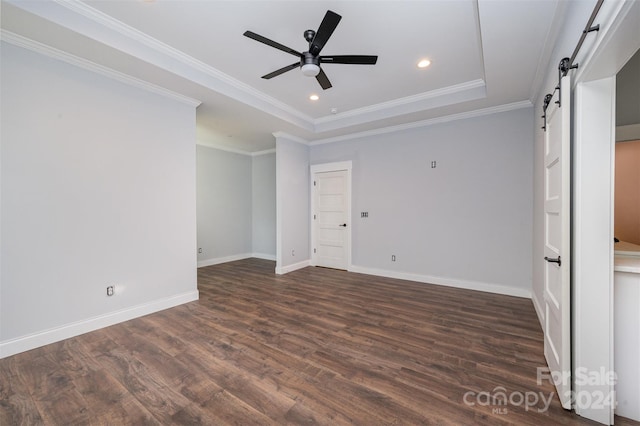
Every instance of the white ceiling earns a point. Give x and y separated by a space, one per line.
484 53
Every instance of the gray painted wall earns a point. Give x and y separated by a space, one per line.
467 220
97 189
263 190
292 203
236 205
224 212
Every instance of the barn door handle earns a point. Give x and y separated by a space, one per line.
551 260
344 224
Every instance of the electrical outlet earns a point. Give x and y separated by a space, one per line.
393 257
110 290
293 252
200 250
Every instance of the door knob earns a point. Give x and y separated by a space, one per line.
552 260
344 224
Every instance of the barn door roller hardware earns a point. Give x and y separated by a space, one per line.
563 69
567 64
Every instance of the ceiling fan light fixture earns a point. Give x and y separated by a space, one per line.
310 70
309 61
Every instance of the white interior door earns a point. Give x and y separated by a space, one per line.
557 294
331 219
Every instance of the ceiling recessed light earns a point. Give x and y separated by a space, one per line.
424 63
314 97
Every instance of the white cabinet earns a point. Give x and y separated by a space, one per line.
627 335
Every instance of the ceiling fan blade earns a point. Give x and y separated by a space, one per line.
323 80
261 39
281 70
349 59
326 28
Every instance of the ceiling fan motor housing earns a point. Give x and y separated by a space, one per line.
309 64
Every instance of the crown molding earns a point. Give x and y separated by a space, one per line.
92 23
219 147
265 152
449 90
113 24
290 137
51 52
426 123
82 18
467 91
23 42
385 130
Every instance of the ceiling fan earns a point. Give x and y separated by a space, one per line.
310 60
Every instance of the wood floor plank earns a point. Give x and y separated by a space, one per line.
109 402
16 404
316 346
254 391
160 399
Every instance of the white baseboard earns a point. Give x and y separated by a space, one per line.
225 259
281 270
264 256
538 307
449 282
35 340
233 258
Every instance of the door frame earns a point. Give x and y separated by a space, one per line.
593 246
594 142
323 168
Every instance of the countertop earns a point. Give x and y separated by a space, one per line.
625 263
626 248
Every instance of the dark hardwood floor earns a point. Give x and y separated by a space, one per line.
316 346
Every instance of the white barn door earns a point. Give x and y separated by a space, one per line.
557 250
